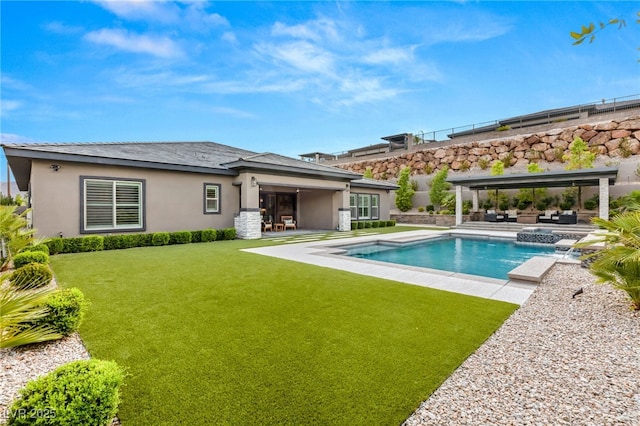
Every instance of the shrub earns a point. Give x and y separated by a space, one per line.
39 247
354 225
72 245
196 236
115 242
180 237
160 238
141 240
360 225
367 224
591 203
56 245
209 235
30 276
26 257
229 233
92 243
405 191
421 209
66 310
84 392
391 223
375 224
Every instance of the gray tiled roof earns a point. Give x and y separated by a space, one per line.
197 154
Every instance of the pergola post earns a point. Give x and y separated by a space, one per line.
604 198
458 204
475 200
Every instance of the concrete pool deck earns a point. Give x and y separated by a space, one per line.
322 253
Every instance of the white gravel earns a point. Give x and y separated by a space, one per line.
557 360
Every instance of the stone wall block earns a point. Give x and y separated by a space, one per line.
611 125
615 134
630 124
586 136
600 139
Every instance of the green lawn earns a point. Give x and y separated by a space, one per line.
213 335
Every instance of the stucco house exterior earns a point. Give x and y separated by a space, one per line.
109 188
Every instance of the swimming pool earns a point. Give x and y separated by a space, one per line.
468 255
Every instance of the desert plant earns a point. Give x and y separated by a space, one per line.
160 238
506 160
439 187
65 311
428 169
14 234
619 262
625 148
27 257
503 128
483 163
421 209
497 168
32 275
84 392
405 192
368 173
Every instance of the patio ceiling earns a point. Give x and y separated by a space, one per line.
557 178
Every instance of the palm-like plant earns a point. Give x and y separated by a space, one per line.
619 261
19 306
14 234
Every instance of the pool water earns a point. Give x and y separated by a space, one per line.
492 258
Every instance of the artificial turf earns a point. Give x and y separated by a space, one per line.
213 335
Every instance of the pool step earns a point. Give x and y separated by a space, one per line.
533 270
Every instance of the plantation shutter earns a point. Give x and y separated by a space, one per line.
111 204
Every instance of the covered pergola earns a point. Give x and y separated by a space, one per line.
602 177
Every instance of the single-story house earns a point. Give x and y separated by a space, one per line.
94 188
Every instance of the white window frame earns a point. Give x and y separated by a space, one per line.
364 206
114 204
353 206
206 208
375 206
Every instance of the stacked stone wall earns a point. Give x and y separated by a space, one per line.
611 141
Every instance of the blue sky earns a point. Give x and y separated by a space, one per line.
298 77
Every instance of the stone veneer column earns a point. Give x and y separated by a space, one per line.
475 203
604 199
248 224
344 219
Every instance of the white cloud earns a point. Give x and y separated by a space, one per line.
229 37
160 11
315 30
301 55
61 28
162 47
389 55
8 105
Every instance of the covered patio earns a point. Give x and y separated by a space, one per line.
603 177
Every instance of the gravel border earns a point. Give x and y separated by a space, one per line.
559 360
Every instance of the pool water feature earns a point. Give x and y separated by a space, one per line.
492 257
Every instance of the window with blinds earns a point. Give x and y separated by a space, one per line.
112 204
211 198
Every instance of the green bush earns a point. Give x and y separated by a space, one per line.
229 233
421 209
30 276
38 247
116 242
430 208
84 392
26 257
196 236
367 224
141 240
92 243
180 237
72 245
361 225
354 224
375 224
592 203
56 245
66 310
208 235
160 238
391 223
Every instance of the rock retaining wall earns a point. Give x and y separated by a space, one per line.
609 140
